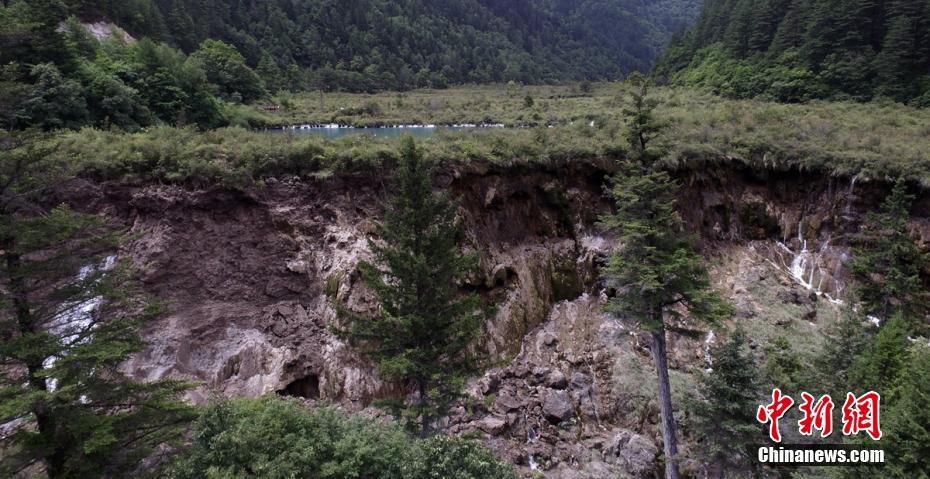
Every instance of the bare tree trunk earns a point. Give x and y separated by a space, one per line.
669 434
425 418
26 324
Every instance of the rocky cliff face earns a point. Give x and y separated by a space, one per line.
251 278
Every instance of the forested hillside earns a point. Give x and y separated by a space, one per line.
381 44
194 61
795 50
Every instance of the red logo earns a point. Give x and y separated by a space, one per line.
773 412
816 416
860 414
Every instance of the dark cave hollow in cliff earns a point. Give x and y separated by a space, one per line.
306 387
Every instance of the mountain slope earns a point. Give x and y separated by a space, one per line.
380 44
795 50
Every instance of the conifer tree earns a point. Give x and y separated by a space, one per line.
423 332
878 366
271 74
887 262
643 128
67 322
905 53
784 367
724 414
907 419
658 274
765 22
741 28
790 32
182 26
844 341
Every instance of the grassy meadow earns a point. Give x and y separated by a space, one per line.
549 123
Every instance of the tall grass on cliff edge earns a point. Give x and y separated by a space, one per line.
874 140
234 156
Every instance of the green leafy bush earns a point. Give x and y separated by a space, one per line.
281 438
451 458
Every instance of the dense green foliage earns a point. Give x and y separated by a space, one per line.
644 128
55 74
907 419
797 50
877 366
68 320
843 343
422 334
398 44
279 438
724 417
904 405
226 69
658 265
887 262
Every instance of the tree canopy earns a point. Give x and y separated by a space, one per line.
69 315
423 332
399 44
797 50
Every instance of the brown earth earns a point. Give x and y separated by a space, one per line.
251 278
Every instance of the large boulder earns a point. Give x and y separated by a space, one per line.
635 453
557 407
492 425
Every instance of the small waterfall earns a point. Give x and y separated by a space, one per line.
532 435
849 195
805 267
75 318
708 342
534 466
800 261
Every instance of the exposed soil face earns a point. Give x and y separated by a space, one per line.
251 278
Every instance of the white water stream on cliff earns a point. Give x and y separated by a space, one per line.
534 466
805 266
76 318
709 341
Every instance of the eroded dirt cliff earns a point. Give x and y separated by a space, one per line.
252 276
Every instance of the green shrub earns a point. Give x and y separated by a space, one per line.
451 458
277 437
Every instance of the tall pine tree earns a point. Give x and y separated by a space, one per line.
724 417
887 262
423 333
878 366
907 419
68 320
659 276
843 343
